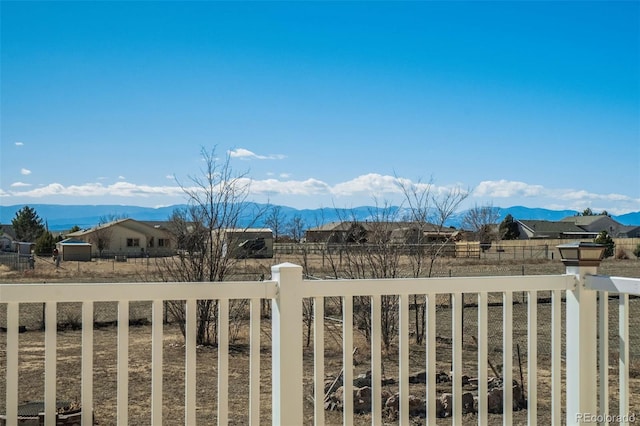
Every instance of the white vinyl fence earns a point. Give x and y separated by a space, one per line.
580 287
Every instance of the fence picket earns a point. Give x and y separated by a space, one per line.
190 362
532 358
556 360
603 350
318 360
254 362
403 357
347 359
50 351
87 364
507 358
623 371
376 361
13 317
223 362
123 363
156 362
456 385
483 358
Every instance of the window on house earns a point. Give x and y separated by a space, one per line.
133 242
163 242
150 244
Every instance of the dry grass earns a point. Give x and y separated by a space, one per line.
31 386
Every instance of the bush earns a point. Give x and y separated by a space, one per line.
621 254
605 239
636 251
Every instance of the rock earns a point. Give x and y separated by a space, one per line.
447 404
494 400
393 403
517 397
442 377
362 399
419 377
362 380
439 408
467 403
417 406
465 380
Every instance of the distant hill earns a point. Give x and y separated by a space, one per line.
61 217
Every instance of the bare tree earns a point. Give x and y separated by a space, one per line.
429 209
482 221
275 220
296 227
216 203
101 236
367 250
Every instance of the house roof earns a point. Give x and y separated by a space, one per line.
584 220
369 225
72 241
541 227
8 231
127 222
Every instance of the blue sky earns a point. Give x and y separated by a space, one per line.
322 103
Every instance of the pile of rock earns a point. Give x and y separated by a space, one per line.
362 394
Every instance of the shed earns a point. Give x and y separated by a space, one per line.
76 250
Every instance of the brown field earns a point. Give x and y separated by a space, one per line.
69 346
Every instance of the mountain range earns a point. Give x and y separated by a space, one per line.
63 217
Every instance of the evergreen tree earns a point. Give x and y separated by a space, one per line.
45 244
605 239
509 228
27 225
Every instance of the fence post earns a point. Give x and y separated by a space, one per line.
581 259
287 392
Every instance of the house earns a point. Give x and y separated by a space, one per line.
576 227
597 224
127 237
348 232
629 232
545 229
71 249
7 237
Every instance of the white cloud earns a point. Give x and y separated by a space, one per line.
285 175
19 143
507 189
121 177
172 177
555 199
245 154
122 189
25 172
360 190
290 187
372 183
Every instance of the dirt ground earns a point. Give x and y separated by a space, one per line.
105 344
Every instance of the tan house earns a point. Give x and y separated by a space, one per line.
348 232
127 237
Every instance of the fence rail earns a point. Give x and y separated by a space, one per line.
288 290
